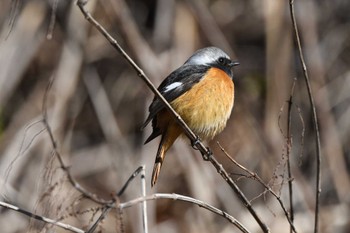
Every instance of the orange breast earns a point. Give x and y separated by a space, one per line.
207 106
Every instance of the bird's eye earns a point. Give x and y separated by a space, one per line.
221 60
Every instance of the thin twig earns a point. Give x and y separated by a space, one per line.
41 218
237 190
314 115
131 178
256 177
289 149
206 153
107 208
22 151
56 153
178 197
144 204
104 213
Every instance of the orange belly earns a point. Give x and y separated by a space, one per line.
207 106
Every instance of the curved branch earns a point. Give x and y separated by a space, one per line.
183 198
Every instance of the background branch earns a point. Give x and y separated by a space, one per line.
41 218
314 116
178 197
256 177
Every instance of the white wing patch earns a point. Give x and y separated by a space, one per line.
172 86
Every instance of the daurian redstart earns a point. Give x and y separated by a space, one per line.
201 91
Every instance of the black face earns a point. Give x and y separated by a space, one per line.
226 65
223 61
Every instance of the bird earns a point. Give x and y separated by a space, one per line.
201 91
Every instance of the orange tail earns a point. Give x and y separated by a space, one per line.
168 138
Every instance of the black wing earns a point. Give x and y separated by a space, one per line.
184 78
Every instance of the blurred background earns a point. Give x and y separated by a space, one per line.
97 104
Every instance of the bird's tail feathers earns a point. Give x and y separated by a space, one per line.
159 161
168 138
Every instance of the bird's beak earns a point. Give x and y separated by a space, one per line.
234 63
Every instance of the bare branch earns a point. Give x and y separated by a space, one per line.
289 149
109 206
314 115
56 153
144 204
257 178
178 197
41 218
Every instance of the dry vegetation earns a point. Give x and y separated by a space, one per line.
97 103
